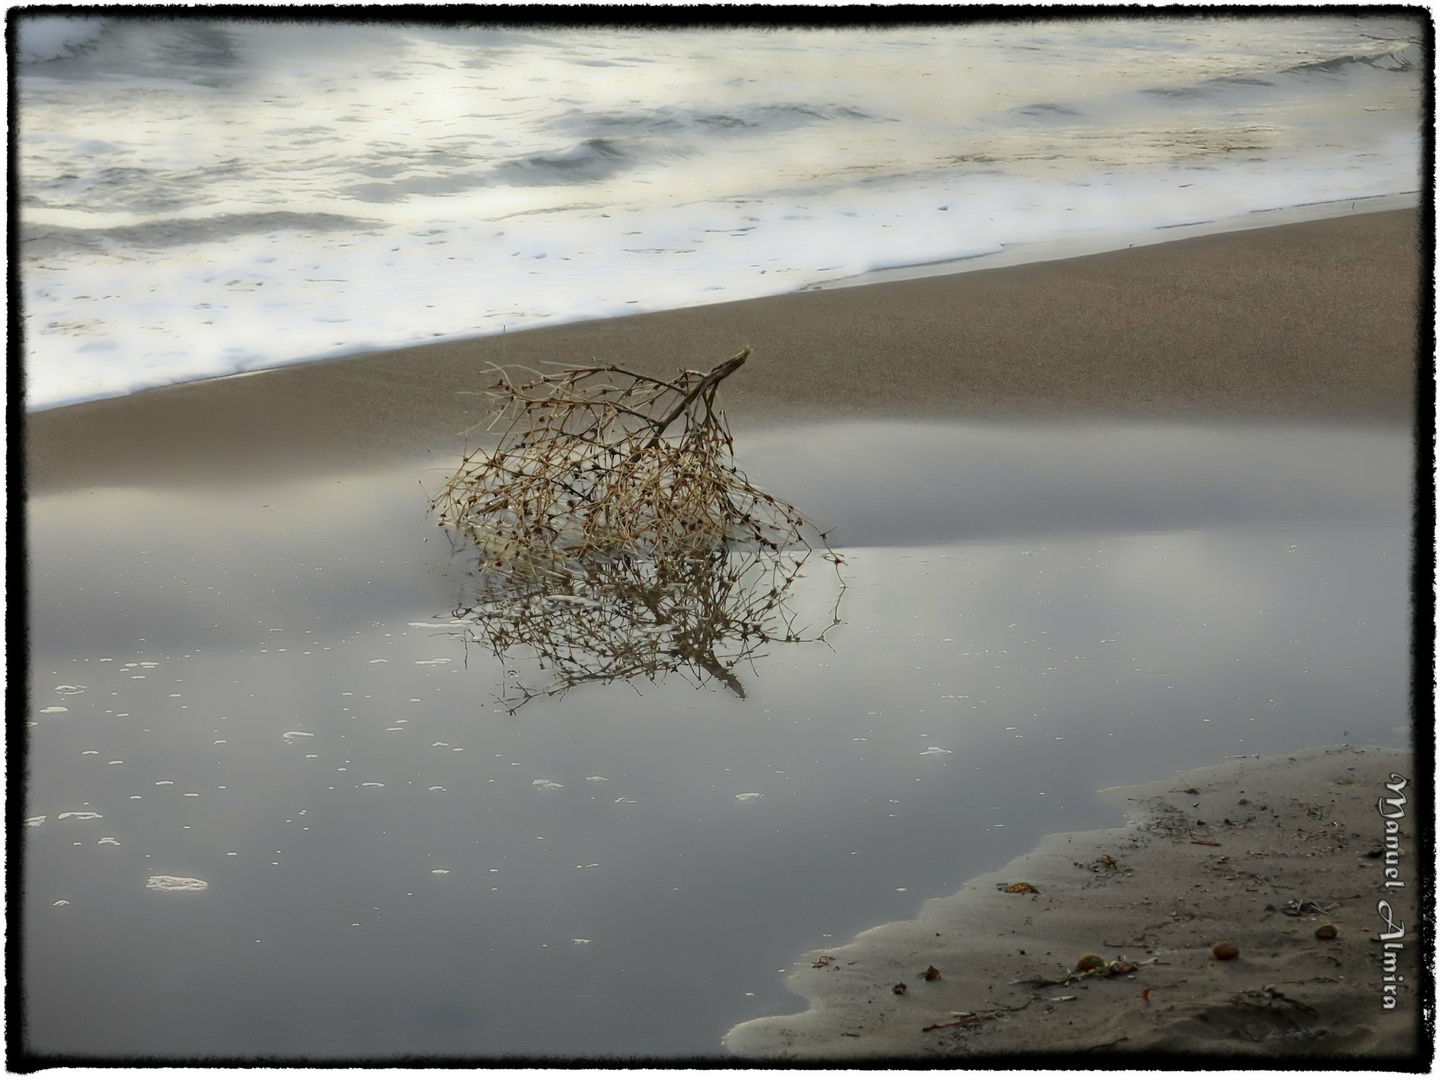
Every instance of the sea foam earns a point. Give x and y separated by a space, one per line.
203 199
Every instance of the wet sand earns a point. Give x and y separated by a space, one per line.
1259 852
1307 322
1314 320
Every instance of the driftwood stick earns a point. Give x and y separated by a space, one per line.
721 371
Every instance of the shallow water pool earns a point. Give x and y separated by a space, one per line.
252 688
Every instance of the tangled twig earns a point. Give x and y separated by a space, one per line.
616 537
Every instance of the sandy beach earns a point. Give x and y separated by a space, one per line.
1313 320
1312 323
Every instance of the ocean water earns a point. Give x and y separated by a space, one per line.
199 198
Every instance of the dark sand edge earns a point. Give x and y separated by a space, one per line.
1315 320
1227 852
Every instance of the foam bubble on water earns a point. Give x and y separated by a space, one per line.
379 661
439 871
108 840
78 815
546 785
437 787
164 783
115 763
32 822
87 753
172 883
934 750
432 663
580 941
291 736
623 799
747 796
54 709
66 688
371 783
61 903
598 779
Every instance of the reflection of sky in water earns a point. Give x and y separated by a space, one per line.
1048 663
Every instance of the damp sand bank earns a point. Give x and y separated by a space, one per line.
1258 851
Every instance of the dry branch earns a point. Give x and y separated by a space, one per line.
615 536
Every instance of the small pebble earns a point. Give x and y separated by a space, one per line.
898 988
1225 950
1089 962
1326 931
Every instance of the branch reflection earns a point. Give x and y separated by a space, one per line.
704 615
